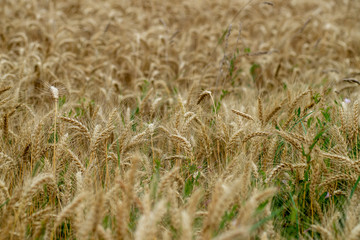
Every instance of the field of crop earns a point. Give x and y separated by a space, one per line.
206 119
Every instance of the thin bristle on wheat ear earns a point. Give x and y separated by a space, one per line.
241 114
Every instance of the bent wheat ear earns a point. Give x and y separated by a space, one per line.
272 114
255 134
233 140
335 178
77 161
293 141
244 115
342 160
202 96
37 185
79 126
297 100
4 89
184 143
276 171
106 132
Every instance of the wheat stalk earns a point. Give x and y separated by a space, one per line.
55 94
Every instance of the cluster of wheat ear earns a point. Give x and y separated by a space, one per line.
179 119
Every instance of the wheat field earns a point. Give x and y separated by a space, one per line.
208 119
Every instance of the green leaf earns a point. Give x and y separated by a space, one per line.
317 97
221 39
295 215
61 101
326 114
284 86
223 94
316 139
268 218
232 66
297 122
253 70
228 217
4 203
354 187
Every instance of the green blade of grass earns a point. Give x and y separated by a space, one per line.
354 187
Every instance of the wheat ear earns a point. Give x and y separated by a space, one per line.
68 210
255 134
260 111
272 114
202 96
4 190
323 231
241 114
355 233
